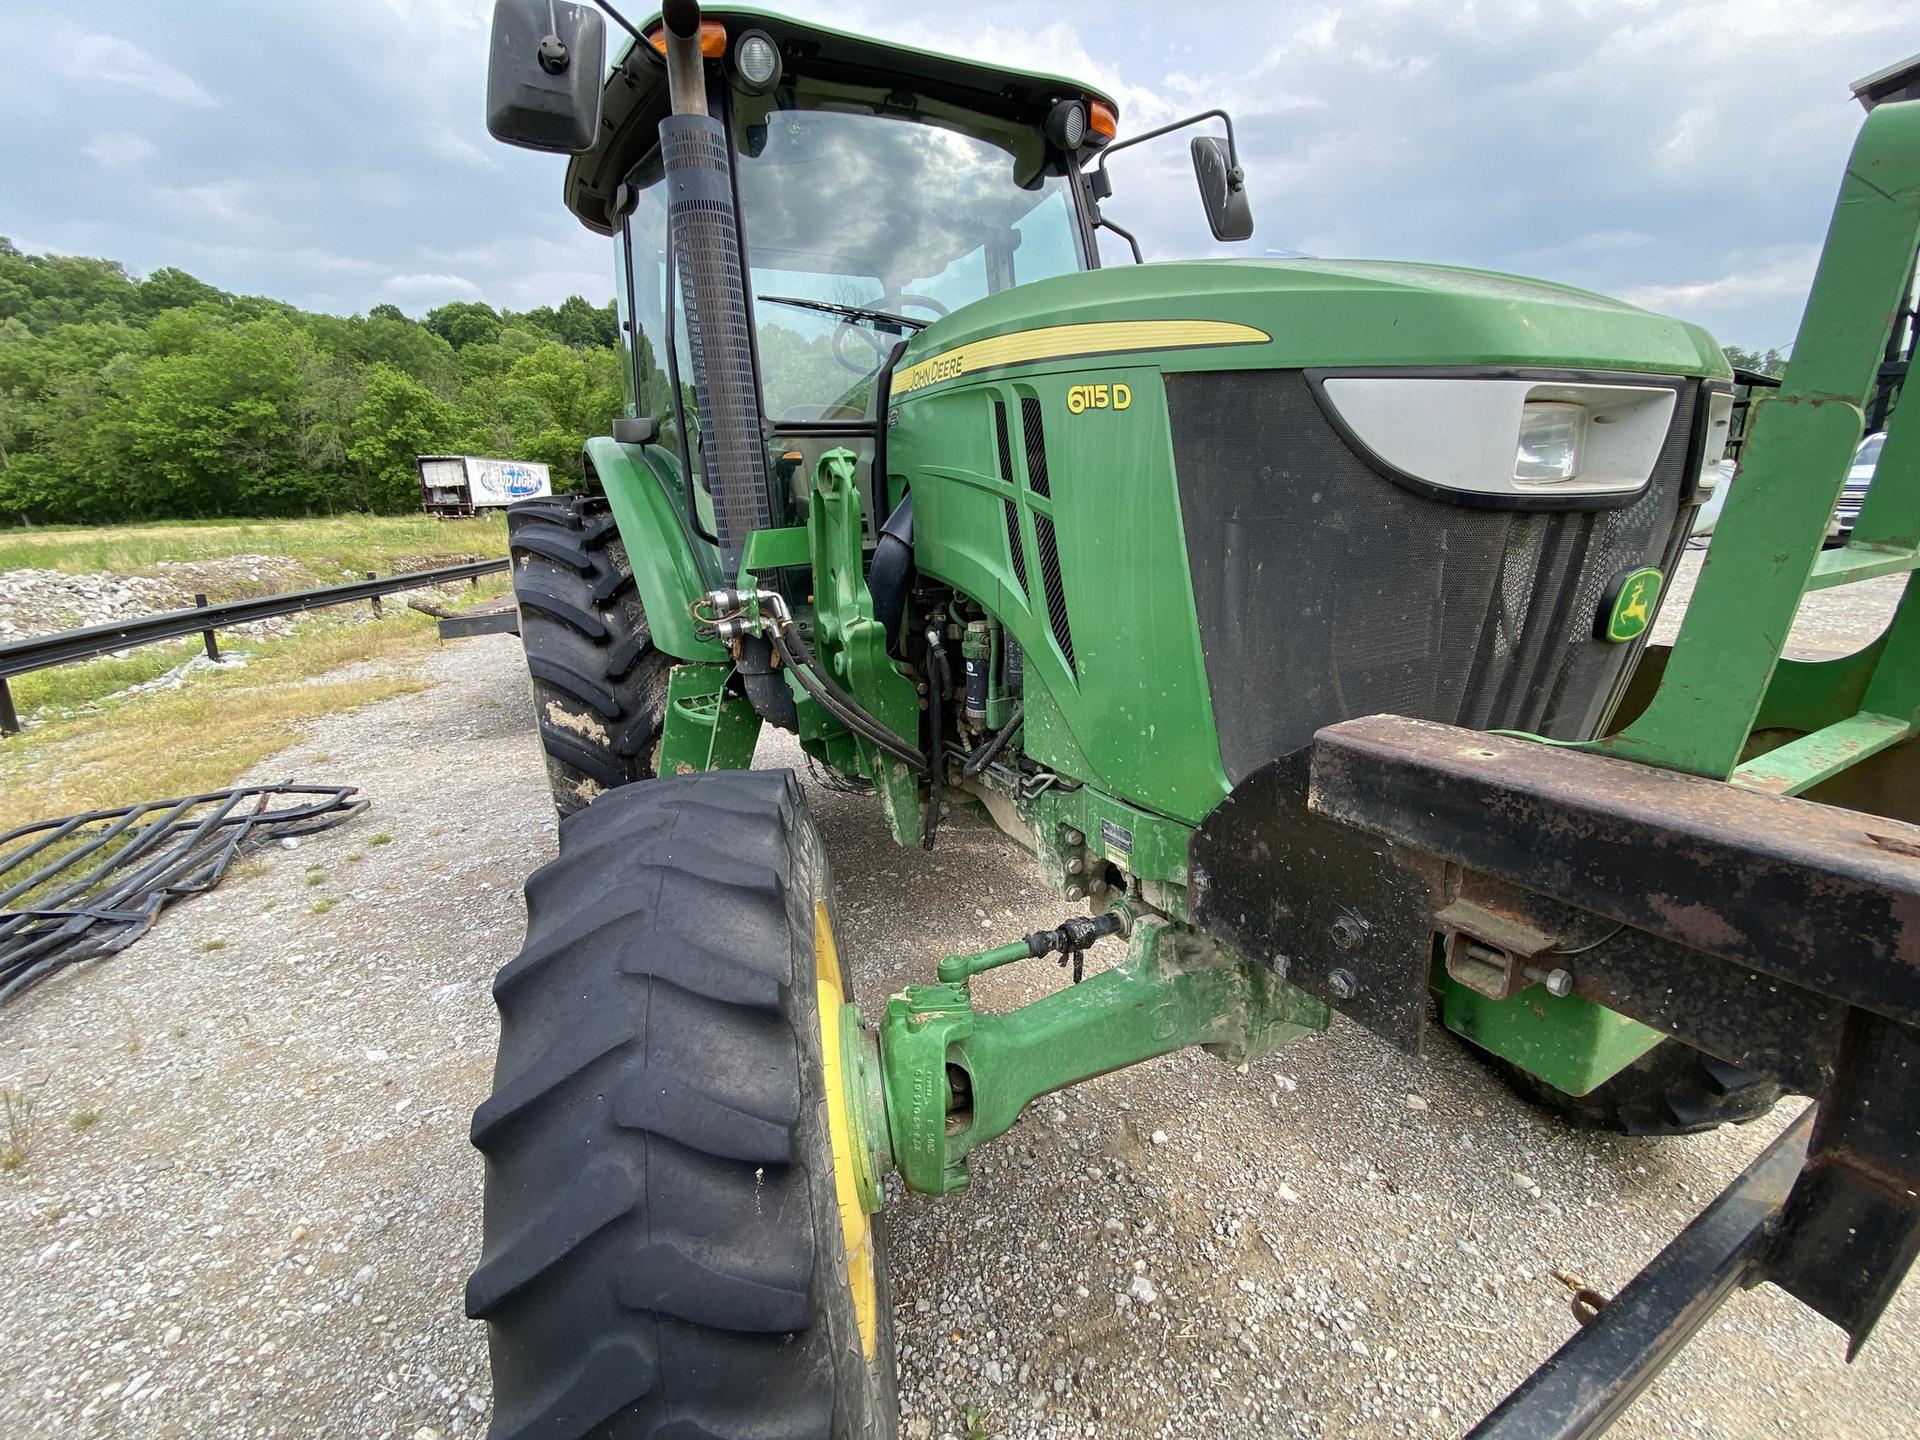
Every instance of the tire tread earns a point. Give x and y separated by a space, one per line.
599 684
649 1025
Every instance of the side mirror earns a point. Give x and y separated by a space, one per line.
543 74
1223 190
635 429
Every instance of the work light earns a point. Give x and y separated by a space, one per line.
1549 448
757 61
1066 124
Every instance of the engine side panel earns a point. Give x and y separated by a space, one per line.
1060 516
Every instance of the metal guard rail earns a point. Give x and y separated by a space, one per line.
42 652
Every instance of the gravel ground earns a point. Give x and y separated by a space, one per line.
249 1206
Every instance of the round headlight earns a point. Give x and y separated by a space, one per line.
1066 125
757 61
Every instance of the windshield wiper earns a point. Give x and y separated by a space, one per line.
852 312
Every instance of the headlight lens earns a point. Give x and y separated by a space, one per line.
757 59
1549 448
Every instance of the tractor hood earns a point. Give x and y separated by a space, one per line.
1259 314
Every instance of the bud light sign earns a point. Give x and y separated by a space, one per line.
501 482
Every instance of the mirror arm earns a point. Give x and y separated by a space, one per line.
620 20
1126 235
1236 177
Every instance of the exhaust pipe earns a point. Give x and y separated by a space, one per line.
703 231
702 228
686 71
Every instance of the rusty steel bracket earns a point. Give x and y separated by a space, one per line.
1779 934
1818 897
1498 949
1350 923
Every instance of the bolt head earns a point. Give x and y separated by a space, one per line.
1559 984
1074 837
1342 985
1076 892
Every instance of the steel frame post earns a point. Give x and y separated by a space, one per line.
208 639
1585 1384
1767 551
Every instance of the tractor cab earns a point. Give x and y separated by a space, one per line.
878 188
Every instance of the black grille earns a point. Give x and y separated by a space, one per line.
1036 446
1050 578
1325 591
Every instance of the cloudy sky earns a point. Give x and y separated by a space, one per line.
1681 153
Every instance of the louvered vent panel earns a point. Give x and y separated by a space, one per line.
1015 550
1036 446
1050 578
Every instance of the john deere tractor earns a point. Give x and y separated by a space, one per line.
1293 613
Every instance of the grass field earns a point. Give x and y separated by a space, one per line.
327 548
204 735
87 746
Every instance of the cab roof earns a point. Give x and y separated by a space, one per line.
634 99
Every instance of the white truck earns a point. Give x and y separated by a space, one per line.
467 484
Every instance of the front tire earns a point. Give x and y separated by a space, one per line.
599 685
665 1251
1673 1089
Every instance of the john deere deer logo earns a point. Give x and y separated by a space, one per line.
1627 609
1636 598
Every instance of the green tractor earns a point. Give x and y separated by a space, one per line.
1292 613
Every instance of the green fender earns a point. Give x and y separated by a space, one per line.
666 559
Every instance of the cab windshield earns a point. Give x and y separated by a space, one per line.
867 213
890 211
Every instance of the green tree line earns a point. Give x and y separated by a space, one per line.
1762 362
164 397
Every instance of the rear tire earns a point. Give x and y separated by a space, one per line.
1673 1089
599 685
665 1251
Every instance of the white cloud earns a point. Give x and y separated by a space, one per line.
447 143
1680 152
94 59
1745 280
221 202
119 150
425 288
326 262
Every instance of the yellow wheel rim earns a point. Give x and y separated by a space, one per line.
856 1226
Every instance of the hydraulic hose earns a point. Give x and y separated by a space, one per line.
938 681
837 703
986 754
